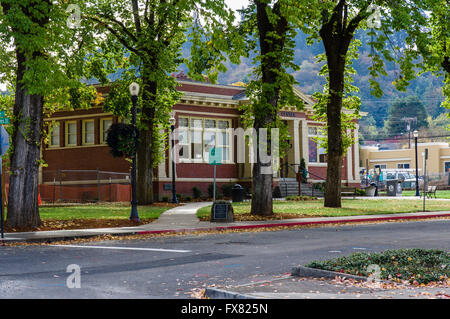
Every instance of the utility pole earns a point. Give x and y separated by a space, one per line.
408 127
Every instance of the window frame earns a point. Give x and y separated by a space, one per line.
83 132
66 133
188 144
51 128
317 133
445 162
102 127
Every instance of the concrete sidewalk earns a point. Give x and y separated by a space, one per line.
183 219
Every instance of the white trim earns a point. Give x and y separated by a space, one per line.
210 85
432 144
94 115
349 160
445 157
72 147
296 141
208 114
318 164
356 169
390 160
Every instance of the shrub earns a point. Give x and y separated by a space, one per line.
165 199
196 192
226 189
418 266
120 139
211 190
300 198
360 192
188 198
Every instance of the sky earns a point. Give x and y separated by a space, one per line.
237 4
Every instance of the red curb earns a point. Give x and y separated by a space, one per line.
341 221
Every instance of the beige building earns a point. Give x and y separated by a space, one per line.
438 162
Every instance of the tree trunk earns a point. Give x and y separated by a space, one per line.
267 111
23 209
335 148
144 185
145 150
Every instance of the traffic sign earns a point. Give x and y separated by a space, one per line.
215 156
4 120
2 113
4 141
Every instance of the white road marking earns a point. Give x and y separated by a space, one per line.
335 251
359 248
124 248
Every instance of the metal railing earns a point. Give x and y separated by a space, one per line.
83 186
287 167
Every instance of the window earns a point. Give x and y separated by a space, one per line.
196 136
54 135
71 133
88 132
447 167
382 166
105 124
403 166
317 154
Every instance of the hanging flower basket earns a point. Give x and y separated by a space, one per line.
121 139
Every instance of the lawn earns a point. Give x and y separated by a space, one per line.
101 211
350 207
93 216
439 193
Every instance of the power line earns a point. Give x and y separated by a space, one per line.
403 138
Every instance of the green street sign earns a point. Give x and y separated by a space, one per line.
4 120
215 156
2 113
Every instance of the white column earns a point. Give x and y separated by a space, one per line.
356 132
162 165
305 148
296 141
349 161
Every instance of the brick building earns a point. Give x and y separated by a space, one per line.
77 144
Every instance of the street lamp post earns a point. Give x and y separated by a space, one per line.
416 135
174 190
134 91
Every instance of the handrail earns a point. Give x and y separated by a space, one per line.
303 170
292 167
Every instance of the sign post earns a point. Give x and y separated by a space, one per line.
4 145
215 158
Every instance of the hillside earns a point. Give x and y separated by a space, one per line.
427 87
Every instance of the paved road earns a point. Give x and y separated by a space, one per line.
169 267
